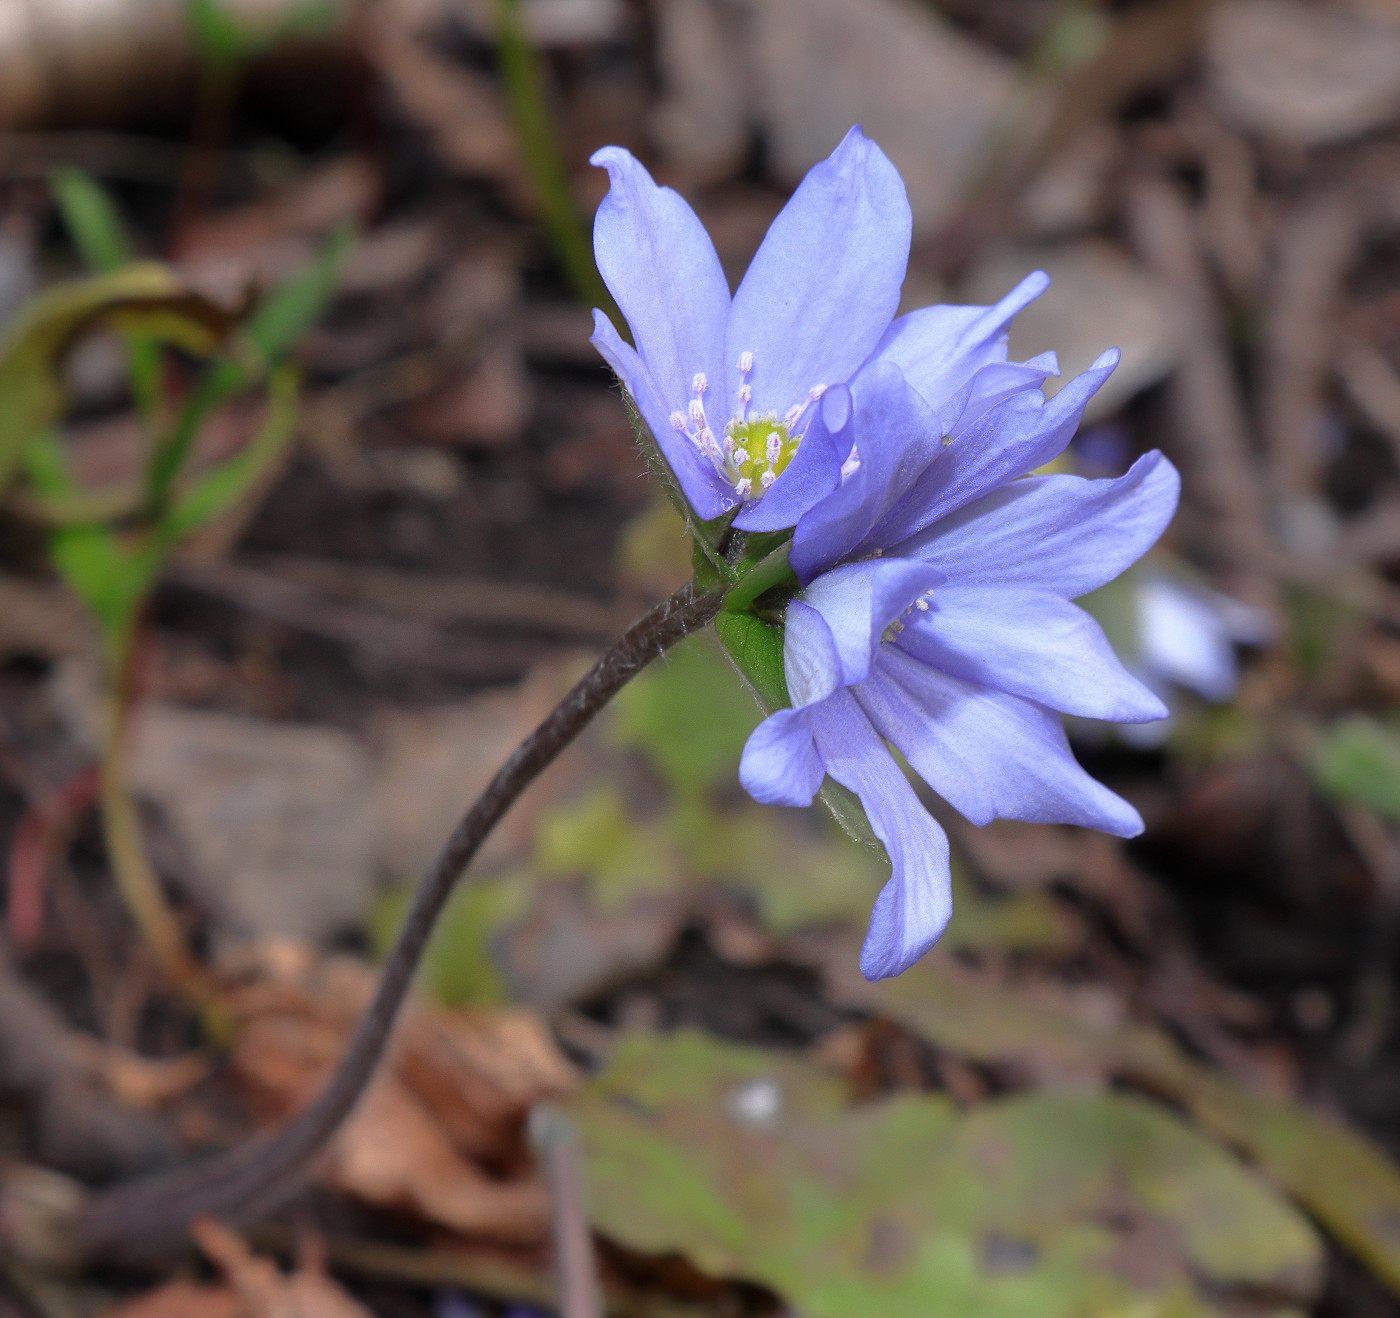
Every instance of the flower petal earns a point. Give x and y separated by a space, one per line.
811 664
940 348
706 491
988 754
1030 643
995 383
896 436
858 601
825 282
812 474
1185 640
660 265
1018 435
780 764
912 909
1058 533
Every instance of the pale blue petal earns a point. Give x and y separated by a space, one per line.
988 754
811 475
1020 434
857 602
897 436
1059 533
780 764
811 664
705 490
1184 639
1030 643
995 383
940 348
660 265
824 284
912 909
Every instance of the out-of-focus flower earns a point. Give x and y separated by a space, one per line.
729 387
1175 633
936 616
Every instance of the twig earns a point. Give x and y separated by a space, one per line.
446 599
374 634
1211 431
574 1263
252 1174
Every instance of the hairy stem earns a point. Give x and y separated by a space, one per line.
252 1174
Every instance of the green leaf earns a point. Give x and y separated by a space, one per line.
91 219
751 1164
216 490
144 298
689 715
1357 761
286 313
1343 1180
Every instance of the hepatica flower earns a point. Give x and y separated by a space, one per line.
729 387
935 616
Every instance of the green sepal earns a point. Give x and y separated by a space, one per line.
755 648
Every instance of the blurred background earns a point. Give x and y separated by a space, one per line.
314 498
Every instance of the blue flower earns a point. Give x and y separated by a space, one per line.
729 387
935 615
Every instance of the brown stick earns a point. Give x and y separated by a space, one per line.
251 1175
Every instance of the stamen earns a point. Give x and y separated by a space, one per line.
745 394
743 487
793 413
921 605
740 456
773 450
815 392
767 478
697 412
678 420
699 384
745 363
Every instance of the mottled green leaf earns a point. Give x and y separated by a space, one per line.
752 1165
1357 760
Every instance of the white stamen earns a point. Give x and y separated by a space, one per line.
743 487
697 412
741 456
678 420
745 394
815 392
745 363
774 447
921 605
699 384
728 445
767 478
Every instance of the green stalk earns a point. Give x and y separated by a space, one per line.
529 110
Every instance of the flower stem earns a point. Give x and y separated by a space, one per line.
544 163
251 1175
135 877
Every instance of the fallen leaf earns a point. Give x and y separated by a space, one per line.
1098 298
276 817
752 1165
1304 73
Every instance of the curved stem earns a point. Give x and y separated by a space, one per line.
253 1173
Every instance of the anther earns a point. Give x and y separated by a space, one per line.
921 605
745 394
741 456
697 412
678 420
745 363
767 478
743 487
699 384
774 447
